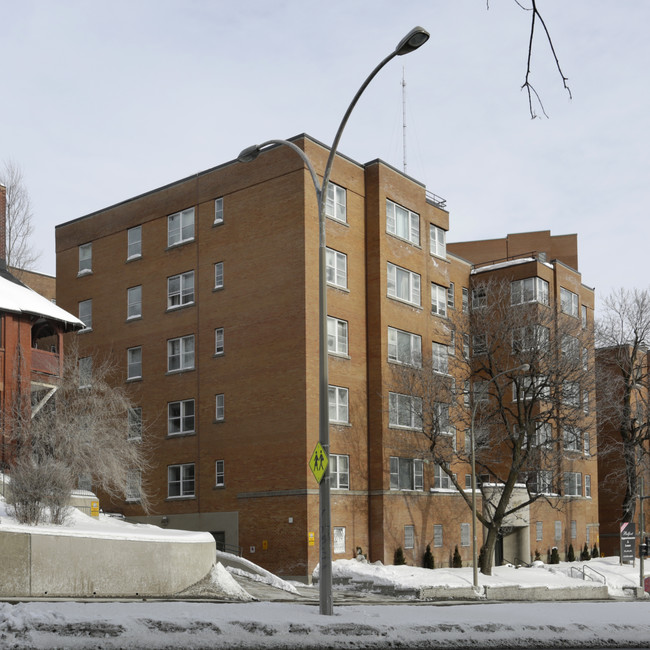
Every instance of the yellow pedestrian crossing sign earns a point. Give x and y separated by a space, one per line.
318 462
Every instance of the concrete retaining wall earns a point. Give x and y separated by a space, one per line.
35 565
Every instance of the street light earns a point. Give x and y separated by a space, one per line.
524 367
412 41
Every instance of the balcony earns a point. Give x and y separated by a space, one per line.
45 362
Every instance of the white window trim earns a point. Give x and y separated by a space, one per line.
183 353
414 285
437 241
439 300
220 473
182 215
395 211
336 473
414 343
86 319
341 405
182 479
182 416
218 210
129 352
414 405
85 259
181 295
130 303
134 423
335 208
219 341
219 407
336 270
340 342
218 275
129 244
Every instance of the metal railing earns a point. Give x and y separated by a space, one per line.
593 575
436 200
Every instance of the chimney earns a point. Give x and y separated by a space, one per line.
3 227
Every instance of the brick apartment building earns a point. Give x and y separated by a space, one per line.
205 292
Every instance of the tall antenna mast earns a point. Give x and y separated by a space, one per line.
404 118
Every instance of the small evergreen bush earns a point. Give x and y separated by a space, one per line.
585 555
457 562
538 555
428 561
555 556
595 552
571 555
398 557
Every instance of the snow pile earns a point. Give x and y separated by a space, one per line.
252 571
217 584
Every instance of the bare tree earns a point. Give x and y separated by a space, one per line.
623 337
81 428
19 218
520 391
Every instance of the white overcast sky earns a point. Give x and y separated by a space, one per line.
102 101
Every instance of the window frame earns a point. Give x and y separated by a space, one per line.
339 342
219 407
334 207
336 268
340 406
85 258
394 349
569 302
406 474
396 405
218 211
437 241
184 296
186 357
219 341
218 276
184 482
440 358
132 243
465 534
133 491
441 480
538 291
188 214
413 293
186 419
409 230
339 477
134 304
130 363
438 535
572 484
220 473
409 536
86 318
134 423
439 300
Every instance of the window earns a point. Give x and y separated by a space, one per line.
438 299
135 423
338 404
481 390
406 474
218 275
539 531
85 372
218 210
441 480
404 411
134 243
529 290
588 486
403 284
220 473
571 348
465 346
527 387
584 316
180 227
340 472
337 336
437 243
464 534
219 340
134 302
219 407
437 535
574 529
180 290
133 485
180 417
479 344
409 537
86 314
585 359
558 531
85 259
585 401
452 342
586 444
572 484
450 295
339 539
466 393
180 353
479 297
404 347
542 482
468 477
543 434
569 302
571 439
571 393
180 480
337 268
402 223
441 415
440 358
530 337
134 363
465 300
335 203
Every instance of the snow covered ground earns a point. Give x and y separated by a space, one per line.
622 622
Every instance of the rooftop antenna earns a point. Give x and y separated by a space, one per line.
404 118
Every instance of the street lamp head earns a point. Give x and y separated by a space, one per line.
412 41
524 367
249 154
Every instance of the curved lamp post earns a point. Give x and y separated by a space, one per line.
524 367
412 41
